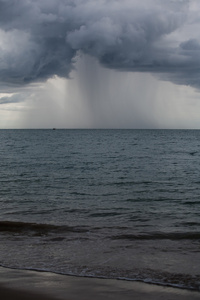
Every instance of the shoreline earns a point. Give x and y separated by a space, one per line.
28 284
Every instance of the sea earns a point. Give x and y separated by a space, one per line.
122 204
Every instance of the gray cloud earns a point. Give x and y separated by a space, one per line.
41 38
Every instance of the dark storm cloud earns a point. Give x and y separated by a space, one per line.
41 38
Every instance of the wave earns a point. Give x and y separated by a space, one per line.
159 236
181 281
11 226
117 232
111 214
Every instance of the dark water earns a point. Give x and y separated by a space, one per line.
105 203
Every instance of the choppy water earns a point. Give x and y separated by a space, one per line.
109 203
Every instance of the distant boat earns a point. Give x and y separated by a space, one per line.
54 129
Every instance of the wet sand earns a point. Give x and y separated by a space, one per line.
23 285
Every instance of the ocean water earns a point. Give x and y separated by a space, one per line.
104 203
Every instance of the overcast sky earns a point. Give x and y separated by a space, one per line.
99 64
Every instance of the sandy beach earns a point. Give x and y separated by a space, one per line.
20 284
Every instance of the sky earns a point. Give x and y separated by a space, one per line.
100 64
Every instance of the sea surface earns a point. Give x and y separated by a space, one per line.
103 203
